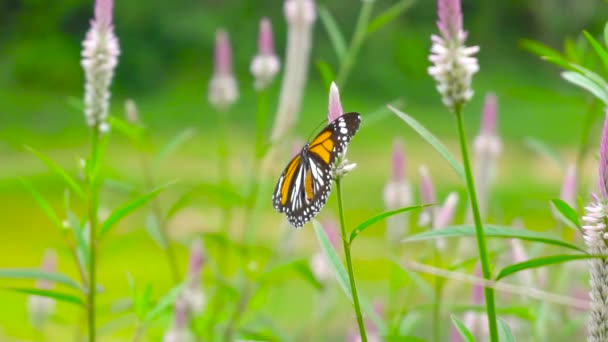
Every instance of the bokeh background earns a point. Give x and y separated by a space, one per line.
165 66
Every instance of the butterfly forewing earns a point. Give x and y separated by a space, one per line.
305 184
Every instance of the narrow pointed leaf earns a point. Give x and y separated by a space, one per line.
155 231
389 15
42 203
327 73
431 139
599 49
540 262
567 214
504 331
82 245
541 50
174 144
333 31
38 274
546 151
60 296
492 231
342 276
587 84
69 181
129 207
365 224
164 302
464 332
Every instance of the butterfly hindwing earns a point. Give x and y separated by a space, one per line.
305 184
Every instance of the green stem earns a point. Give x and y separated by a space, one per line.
358 38
481 242
437 300
349 264
93 199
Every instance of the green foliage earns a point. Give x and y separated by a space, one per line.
464 332
37 274
380 217
540 262
566 214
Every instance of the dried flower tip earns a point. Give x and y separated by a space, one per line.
223 90
335 106
265 64
99 59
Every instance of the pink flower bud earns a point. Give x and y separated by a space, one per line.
335 106
603 163
223 90
568 192
398 160
489 115
265 65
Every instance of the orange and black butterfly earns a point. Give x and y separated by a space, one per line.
304 186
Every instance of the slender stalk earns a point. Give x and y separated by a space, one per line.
93 199
437 300
158 212
358 38
349 264
481 242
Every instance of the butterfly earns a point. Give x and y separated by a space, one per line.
305 184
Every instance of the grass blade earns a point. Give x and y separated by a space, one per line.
541 50
129 207
333 31
504 331
587 84
431 139
82 245
164 302
540 262
464 332
599 49
567 214
59 296
38 274
342 276
42 203
365 224
389 15
174 144
69 181
546 151
492 231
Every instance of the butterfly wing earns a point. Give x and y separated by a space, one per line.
305 185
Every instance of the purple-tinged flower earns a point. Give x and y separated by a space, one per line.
427 196
193 293
180 331
445 216
487 148
100 53
223 91
41 308
319 264
477 322
131 112
265 65
397 194
300 16
595 235
569 186
334 109
454 64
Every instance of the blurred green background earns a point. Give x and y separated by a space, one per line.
165 65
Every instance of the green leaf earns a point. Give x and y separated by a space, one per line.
546 151
431 139
69 181
164 302
389 15
599 49
492 231
174 144
133 132
153 229
382 112
540 262
129 207
365 224
281 272
326 72
567 214
42 203
463 330
76 103
504 332
60 296
333 31
541 50
559 62
342 276
38 274
82 245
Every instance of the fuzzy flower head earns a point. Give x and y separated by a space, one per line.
397 194
100 53
334 109
265 64
179 331
41 308
603 162
445 217
193 293
300 12
453 62
427 196
223 91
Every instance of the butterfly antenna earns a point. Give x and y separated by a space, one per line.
316 129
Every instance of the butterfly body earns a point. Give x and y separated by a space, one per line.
305 184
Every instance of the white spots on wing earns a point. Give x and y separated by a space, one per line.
343 130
